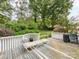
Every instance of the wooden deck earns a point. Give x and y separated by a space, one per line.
19 47
35 43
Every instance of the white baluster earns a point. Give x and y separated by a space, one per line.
14 43
3 45
7 42
6 45
11 43
0 46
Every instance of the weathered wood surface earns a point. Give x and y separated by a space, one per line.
15 47
35 43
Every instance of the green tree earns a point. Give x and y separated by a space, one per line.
5 11
52 9
22 10
40 8
4 19
6 8
60 10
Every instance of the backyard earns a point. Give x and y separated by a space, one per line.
24 24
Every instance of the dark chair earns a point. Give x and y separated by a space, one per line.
31 39
73 38
66 37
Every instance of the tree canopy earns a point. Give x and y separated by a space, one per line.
5 11
53 9
46 13
6 7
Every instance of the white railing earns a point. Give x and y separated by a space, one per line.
12 42
35 36
57 35
7 43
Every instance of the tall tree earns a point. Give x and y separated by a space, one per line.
21 9
4 19
60 9
6 8
50 9
40 8
5 11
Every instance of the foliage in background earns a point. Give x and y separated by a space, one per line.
22 10
50 9
6 8
22 26
4 19
44 15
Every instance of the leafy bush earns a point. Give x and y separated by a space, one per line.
26 31
16 26
32 25
32 31
22 27
20 32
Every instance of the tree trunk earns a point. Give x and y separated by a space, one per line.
35 19
43 23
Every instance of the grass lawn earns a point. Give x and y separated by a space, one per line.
45 34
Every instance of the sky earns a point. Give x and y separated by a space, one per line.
75 9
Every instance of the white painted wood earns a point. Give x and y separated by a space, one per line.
35 36
34 43
12 42
0 45
57 35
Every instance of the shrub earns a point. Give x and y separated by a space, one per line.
6 32
26 31
32 31
16 26
20 32
32 25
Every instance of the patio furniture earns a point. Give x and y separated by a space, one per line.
73 37
66 37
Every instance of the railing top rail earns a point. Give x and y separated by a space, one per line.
1 38
61 33
11 37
